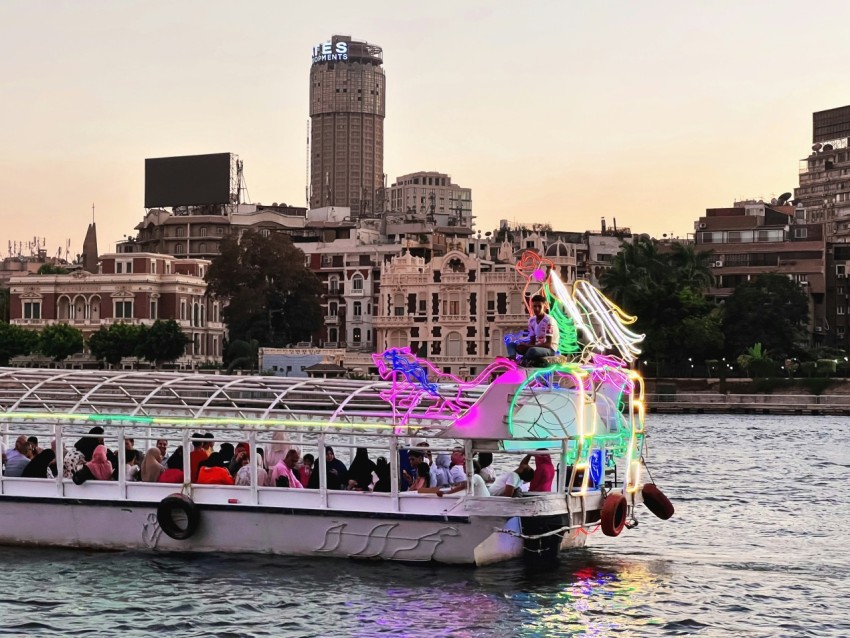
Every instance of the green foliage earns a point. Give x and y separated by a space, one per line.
15 341
666 292
114 343
272 296
756 362
241 355
826 367
771 310
808 368
164 341
59 341
51 269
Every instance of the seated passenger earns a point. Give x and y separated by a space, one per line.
336 471
360 471
423 478
485 459
306 468
544 473
213 471
508 483
40 466
174 470
98 469
382 469
457 470
243 476
284 473
18 459
87 444
152 468
415 460
197 454
441 471
479 488
133 465
543 335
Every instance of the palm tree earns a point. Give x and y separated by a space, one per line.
691 266
756 362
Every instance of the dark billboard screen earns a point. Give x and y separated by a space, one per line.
188 180
830 125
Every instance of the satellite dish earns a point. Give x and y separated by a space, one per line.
784 197
816 147
827 147
488 233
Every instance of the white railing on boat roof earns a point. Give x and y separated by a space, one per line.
203 397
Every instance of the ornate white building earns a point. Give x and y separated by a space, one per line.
456 309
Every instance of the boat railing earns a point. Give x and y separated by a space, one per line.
388 444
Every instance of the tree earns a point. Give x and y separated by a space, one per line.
59 341
272 297
15 341
5 304
771 310
241 355
51 269
666 292
164 341
756 362
114 343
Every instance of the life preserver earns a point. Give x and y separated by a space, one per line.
656 502
178 516
613 515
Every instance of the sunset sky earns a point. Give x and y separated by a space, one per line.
560 112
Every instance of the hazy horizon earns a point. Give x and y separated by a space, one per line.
549 111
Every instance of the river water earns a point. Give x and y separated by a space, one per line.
757 547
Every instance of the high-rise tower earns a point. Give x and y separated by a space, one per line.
347 108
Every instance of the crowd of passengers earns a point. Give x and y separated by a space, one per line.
283 466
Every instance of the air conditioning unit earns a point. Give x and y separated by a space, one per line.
718 264
804 283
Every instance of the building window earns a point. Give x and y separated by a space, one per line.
215 312
358 309
178 248
332 310
355 335
333 283
124 267
153 266
215 348
153 310
453 344
32 310
840 270
180 232
123 309
357 283
182 310
801 233
202 249
203 231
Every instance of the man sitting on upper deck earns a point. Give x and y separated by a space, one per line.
543 335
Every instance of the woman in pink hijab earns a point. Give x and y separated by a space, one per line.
99 468
544 474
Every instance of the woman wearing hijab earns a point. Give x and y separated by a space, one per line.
98 469
37 468
87 444
382 469
152 466
360 471
174 468
214 472
544 474
440 472
243 476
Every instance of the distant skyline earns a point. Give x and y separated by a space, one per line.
550 112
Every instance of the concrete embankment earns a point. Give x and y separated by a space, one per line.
713 396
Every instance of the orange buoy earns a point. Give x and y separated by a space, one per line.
656 502
613 514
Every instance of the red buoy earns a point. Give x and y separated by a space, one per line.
656 502
613 514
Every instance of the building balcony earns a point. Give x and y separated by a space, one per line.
393 321
499 277
455 278
332 320
447 319
520 319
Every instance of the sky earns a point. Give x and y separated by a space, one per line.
558 112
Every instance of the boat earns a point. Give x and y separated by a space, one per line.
584 406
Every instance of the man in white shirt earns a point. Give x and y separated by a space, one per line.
508 483
543 335
457 473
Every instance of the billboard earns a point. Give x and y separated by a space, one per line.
188 180
830 125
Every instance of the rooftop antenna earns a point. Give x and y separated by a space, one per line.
92 212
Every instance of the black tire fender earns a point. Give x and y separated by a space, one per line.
656 501
183 507
613 515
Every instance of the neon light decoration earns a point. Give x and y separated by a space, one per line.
589 397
